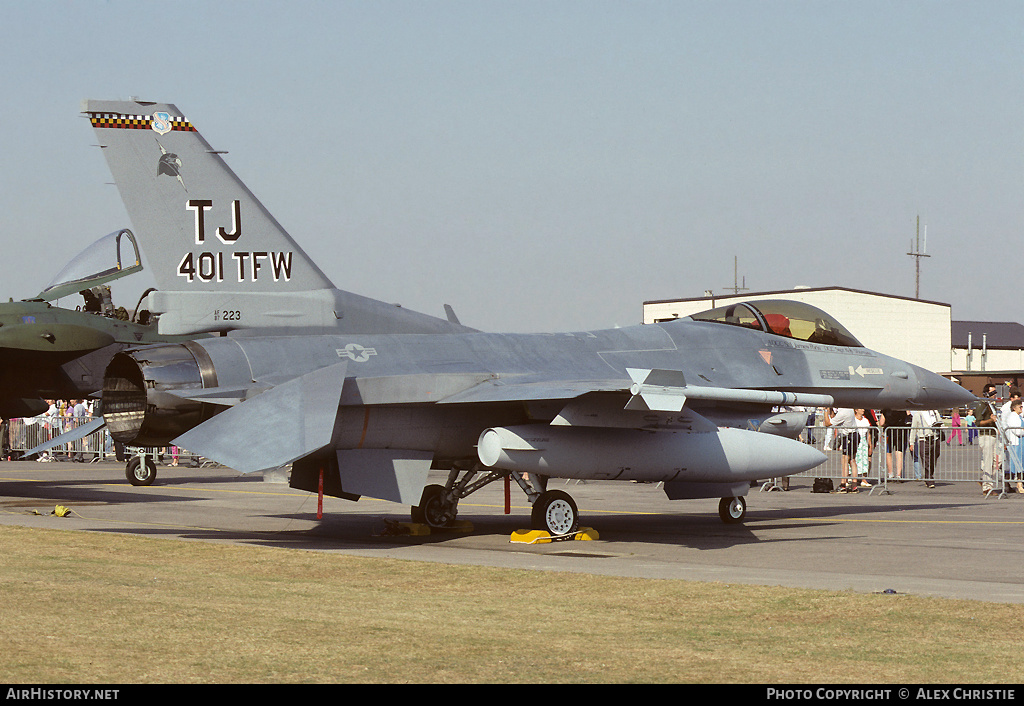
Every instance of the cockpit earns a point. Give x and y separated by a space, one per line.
111 257
781 317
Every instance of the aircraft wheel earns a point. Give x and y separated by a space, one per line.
432 510
139 473
732 510
555 512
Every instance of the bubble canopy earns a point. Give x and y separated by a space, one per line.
113 256
782 317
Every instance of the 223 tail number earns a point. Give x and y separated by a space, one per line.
227 315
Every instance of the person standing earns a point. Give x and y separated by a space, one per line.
1014 395
955 430
842 421
894 425
972 429
925 438
986 423
1004 414
1013 424
80 414
865 446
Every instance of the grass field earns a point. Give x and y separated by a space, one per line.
84 607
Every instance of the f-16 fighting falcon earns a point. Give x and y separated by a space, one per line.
364 398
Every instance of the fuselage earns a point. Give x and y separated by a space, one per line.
400 389
706 354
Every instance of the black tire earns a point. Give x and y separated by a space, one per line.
555 512
139 473
732 510
431 510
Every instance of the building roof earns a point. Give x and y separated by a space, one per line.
996 335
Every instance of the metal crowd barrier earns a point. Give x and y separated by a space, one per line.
959 458
24 434
20 435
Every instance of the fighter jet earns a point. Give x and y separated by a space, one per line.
51 352
365 398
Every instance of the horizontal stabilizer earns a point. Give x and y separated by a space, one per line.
68 436
275 428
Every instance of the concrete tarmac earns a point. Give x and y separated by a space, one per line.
946 542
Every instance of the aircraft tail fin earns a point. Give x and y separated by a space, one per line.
200 227
220 260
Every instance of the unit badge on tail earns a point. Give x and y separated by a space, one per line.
169 164
161 123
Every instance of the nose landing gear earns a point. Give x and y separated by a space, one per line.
732 510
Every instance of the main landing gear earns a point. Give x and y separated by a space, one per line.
554 511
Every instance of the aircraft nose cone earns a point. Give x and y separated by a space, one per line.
936 392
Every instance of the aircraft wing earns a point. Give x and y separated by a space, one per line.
650 390
53 338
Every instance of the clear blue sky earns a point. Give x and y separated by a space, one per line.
550 165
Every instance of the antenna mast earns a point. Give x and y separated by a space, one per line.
917 251
736 288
